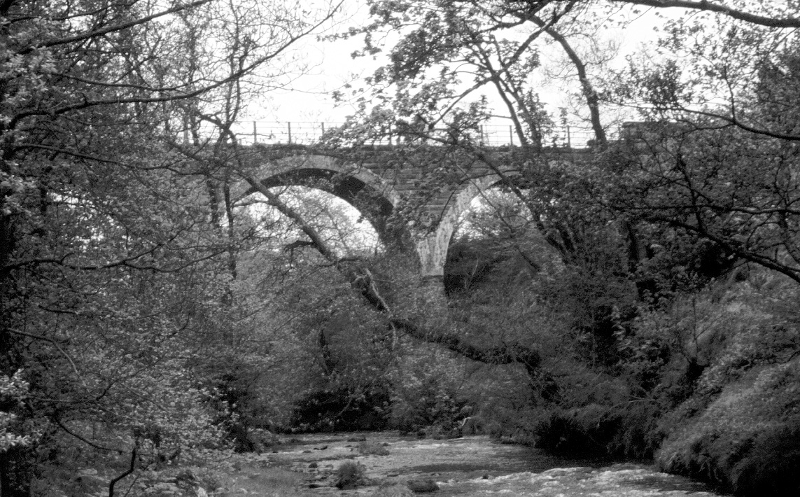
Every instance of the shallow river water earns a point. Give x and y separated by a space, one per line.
469 466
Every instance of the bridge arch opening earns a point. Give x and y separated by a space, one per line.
367 193
345 230
492 240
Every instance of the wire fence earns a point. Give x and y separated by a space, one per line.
488 134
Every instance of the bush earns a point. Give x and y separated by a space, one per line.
583 432
426 396
620 432
638 434
349 475
748 439
770 468
343 410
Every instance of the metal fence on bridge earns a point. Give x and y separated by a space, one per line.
489 134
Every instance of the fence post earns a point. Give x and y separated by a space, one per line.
481 129
510 138
289 127
255 133
569 139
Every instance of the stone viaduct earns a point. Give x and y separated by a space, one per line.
378 188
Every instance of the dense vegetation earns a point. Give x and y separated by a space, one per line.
159 305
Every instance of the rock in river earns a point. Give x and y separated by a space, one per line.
422 486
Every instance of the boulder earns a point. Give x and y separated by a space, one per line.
422 486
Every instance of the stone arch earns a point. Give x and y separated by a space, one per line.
433 248
363 175
358 186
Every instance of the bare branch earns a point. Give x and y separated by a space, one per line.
82 439
71 153
589 93
763 260
116 27
123 475
275 201
145 99
707 6
46 339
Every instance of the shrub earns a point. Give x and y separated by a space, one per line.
748 439
626 431
349 475
426 395
637 434
343 410
770 468
582 432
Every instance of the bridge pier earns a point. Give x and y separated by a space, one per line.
432 253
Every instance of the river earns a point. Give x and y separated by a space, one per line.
469 466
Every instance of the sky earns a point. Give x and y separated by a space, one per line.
331 66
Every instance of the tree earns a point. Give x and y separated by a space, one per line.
112 263
720 168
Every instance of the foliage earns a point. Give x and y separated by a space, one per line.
746 440
742 399
115 275
350 475
12 392
426 394
650 309
342 410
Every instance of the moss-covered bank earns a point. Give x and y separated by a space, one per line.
724 405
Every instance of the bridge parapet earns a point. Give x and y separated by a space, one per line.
492 133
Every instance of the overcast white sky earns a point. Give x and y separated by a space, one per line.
331 66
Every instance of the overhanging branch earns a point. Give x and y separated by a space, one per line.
707 6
